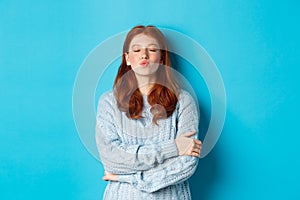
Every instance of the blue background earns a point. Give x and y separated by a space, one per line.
255 45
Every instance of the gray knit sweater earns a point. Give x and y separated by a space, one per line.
143 154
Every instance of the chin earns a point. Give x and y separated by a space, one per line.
145 71
139 73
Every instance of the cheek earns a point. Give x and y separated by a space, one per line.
155 58
133 59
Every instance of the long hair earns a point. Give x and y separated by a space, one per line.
163 94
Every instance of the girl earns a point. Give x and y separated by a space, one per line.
147 126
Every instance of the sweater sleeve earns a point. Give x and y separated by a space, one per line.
173 170
118 157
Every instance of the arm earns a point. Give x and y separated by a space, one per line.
118 157
173 170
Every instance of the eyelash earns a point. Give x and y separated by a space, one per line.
152 50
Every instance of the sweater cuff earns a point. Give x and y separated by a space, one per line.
126 178
169 149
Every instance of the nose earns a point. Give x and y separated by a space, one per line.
144 53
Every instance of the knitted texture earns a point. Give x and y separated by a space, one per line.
143 154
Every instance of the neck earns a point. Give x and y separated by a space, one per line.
145 83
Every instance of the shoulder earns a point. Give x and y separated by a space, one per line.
187 103
185 97
106 101
107 96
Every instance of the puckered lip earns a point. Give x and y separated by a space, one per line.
144 63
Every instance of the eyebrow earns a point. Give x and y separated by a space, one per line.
140 45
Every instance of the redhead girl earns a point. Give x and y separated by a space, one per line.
147 126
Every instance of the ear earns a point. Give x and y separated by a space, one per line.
127 58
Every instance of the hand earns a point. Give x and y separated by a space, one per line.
188 146
110 177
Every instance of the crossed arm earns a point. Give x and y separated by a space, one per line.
153 166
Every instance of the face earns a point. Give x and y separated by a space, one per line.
143 55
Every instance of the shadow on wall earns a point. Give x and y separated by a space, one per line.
206 175
208 171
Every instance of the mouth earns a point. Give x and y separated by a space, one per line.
144 63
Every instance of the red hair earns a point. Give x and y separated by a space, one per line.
163 94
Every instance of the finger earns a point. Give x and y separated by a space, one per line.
188 134
192 153
196 151
197 141
195 154
108 178
189 149
198 146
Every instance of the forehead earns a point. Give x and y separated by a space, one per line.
143 40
